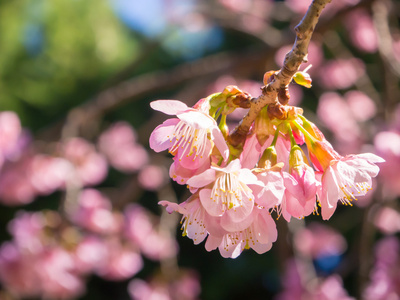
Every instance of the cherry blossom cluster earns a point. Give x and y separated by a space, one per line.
235 189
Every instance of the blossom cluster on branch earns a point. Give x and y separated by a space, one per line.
235 186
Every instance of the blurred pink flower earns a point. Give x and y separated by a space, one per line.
184 286
15 182
141 290
90 166
153 177
93 211
387 220
385 275
387 145
10 131
18 271
318 240
121 262
48 174
27 230
139 229
58 277
330 288
361 106
335 113
119 144
362 30
341 73
90 254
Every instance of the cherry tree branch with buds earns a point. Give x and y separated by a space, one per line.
283 77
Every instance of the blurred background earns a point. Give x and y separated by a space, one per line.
79 187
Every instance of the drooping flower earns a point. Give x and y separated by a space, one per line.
190 136
193 217
226 192
346 179
271 194
259 236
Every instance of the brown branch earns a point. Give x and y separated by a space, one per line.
292 62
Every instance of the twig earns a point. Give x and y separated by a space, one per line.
292 62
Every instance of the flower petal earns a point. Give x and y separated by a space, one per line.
220 142
169 107
160 138
197 119
202 179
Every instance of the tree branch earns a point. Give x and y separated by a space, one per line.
292 62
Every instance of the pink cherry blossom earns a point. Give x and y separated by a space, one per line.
259 236
27 230
341 73
121 262
226 190
362 107
59 280
318 240
185 286
387 145
15 182
180 174
119 145
362 30
10 131
193 218
140 230
187 136
153 177
18 271
345 179
271 194
90 166
90 254
385 274
93 212
387 220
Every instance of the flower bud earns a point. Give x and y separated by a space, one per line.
269 158
263 126
268 77
297 159
302 78
321 153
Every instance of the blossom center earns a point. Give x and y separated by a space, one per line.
191 140
229 190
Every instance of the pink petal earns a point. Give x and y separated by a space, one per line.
212 207
171 207
169 107
212 243
220 142
160 138
372 158
229 225
202 179
330 194
240 213
197 119
247 177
